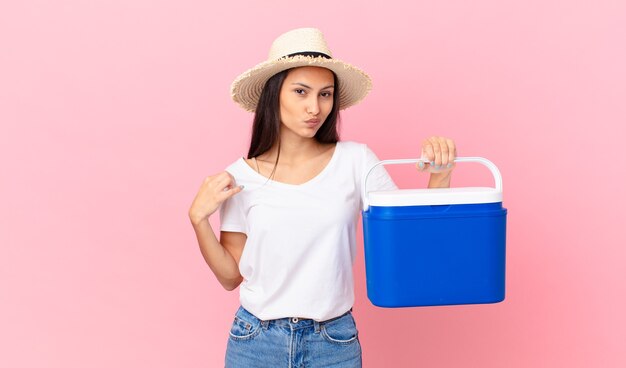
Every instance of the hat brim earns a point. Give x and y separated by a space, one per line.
354 84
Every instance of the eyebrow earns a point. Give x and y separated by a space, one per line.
305 86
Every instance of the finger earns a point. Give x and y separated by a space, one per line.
222 182
424 155
420 165
451 152
224 195
231 180
428 150
437 151
229 175
443 143
224 176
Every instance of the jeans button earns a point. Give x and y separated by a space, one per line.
294 320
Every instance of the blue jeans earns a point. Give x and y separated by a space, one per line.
293 342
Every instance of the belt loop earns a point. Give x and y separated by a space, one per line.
317 326
265 324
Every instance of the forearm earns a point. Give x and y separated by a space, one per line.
220 261
440 180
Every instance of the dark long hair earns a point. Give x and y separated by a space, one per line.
266 125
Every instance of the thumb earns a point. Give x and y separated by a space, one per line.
229 192
234 190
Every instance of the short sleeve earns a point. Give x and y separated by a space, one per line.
232 216
379 179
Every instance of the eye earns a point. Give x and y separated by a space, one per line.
327 94
299 91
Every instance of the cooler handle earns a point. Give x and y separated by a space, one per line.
490 165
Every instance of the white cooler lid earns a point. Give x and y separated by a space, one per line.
434 196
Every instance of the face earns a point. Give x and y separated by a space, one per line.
306 99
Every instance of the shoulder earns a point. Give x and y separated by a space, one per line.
353 147
236 167
359 152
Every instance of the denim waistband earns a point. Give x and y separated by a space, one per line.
291 322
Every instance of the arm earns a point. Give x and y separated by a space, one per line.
222 258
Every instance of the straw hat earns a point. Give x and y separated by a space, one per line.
300 47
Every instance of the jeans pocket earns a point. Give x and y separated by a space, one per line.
244 330
340 331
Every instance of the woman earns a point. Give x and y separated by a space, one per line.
289 238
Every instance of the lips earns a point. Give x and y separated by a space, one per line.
312 121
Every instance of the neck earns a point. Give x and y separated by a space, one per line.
294 148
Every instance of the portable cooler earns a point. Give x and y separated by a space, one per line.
437 246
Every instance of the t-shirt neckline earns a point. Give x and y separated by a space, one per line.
309 182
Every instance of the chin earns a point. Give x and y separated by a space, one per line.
309 135
312 132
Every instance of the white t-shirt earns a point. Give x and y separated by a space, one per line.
298 257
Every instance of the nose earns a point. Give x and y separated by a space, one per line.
313 107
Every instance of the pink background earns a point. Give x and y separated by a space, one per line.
112 113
